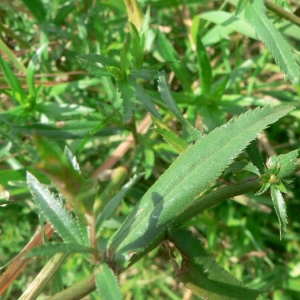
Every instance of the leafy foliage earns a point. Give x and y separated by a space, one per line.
210 77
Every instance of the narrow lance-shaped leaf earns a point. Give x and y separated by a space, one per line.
53 248
69 182
178 188
205 70
55 212
202 274
171 137
106 283
267 32
280 208
166 95
128 94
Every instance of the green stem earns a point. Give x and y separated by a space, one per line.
77 291
216 196
40 281
282 12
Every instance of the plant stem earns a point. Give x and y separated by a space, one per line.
77 291
216 196
282 12
35 288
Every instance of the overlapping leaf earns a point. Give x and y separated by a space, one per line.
190 175
55 212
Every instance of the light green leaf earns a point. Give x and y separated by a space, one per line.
286 163
96 64
145 100
170 137
53 248
113 204
106 283
168 53
189 176
166 95
255 156
267 32
202 274
280 208
128 94
55 212
205 70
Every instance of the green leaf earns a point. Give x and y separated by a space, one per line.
166 95
145 100
286 163
267 32
17 91
96 64
69 182
137 50
168 53
202 274
113 204
255 156
106 283
280 208
193 172
205 70
32 67
93 131
176 142
37 8
55 212
53 248
126 56
128 94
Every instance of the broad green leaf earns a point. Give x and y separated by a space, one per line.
55 212
280 208
178 188
202 274
53 248
205 70
170 137
128 94
267 32
166 95
106 283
